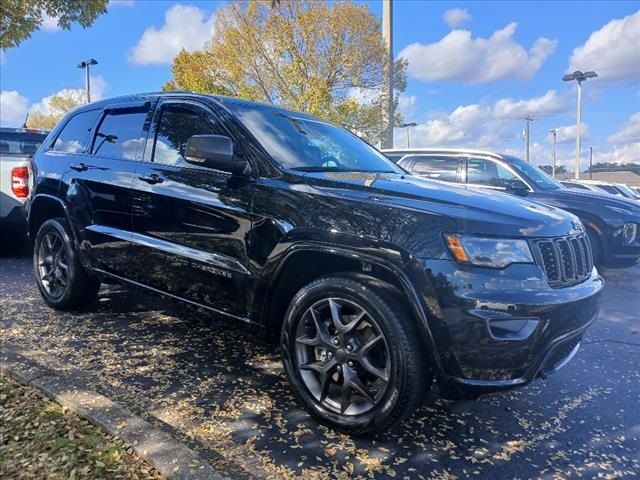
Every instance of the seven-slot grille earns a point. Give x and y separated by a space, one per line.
566 260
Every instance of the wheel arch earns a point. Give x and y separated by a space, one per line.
304 262
43 207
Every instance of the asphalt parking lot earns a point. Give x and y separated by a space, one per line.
223 392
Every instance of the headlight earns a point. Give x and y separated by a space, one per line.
628 233
488 252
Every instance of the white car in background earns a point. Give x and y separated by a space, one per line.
17 146
619 189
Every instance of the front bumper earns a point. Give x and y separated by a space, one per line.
500 329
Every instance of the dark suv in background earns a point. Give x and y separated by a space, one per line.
374 281
612 223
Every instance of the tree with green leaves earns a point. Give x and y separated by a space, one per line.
20 18
327 59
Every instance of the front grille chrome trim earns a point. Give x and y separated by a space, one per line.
566 261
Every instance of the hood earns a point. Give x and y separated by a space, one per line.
472 210
599 204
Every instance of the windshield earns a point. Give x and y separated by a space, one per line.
309 145
20 143
538 177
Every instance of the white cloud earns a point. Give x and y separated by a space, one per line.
613 51
629 132
483 125
459 56
49 23
185 27
629 153
456 17
13 108
568 134
98 87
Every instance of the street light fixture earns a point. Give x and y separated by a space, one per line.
579 77
407 126
85 64
553 171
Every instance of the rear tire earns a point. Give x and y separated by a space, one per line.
372 352
62 280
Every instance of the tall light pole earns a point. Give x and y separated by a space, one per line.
528 119
85 64
590 163
579 77
408 127
387 88
553 170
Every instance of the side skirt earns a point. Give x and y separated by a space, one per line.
118 278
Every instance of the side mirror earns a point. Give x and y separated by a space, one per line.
518 187
214 151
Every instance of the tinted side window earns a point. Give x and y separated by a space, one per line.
437 168
120 133
486 172
177 124
76 134
609 189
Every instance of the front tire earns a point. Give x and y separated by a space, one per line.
352 354
62 280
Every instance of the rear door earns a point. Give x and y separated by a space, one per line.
191 223
98 183
446 168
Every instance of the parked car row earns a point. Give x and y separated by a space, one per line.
375 282
611 222
619 189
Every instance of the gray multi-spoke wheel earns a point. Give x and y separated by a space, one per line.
62 280
352 354
342 356
52 264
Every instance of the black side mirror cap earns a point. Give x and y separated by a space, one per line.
518 187
214 151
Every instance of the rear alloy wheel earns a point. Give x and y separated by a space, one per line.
62 280
352 355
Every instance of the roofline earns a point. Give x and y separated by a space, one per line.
443 150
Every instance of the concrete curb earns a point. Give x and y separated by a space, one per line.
171 458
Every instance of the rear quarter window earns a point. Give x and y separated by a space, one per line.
76 134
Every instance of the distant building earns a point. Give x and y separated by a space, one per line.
623 176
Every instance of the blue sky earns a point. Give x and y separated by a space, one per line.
475 68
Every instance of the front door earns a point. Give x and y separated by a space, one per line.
191 223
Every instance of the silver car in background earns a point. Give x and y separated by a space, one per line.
17 146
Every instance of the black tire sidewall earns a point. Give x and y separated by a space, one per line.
386 319
60 227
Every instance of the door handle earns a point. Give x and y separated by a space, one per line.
78 167
151 179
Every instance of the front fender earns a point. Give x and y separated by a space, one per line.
402 266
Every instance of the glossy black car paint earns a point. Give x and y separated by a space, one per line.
242 245
602 213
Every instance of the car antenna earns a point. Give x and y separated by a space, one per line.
26 119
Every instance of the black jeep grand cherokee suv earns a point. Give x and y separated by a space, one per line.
375 281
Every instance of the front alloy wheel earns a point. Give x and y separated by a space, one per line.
352 354
342 356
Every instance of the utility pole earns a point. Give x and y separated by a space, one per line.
553 171
590 163
85 64
579 77
528 119
387 94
